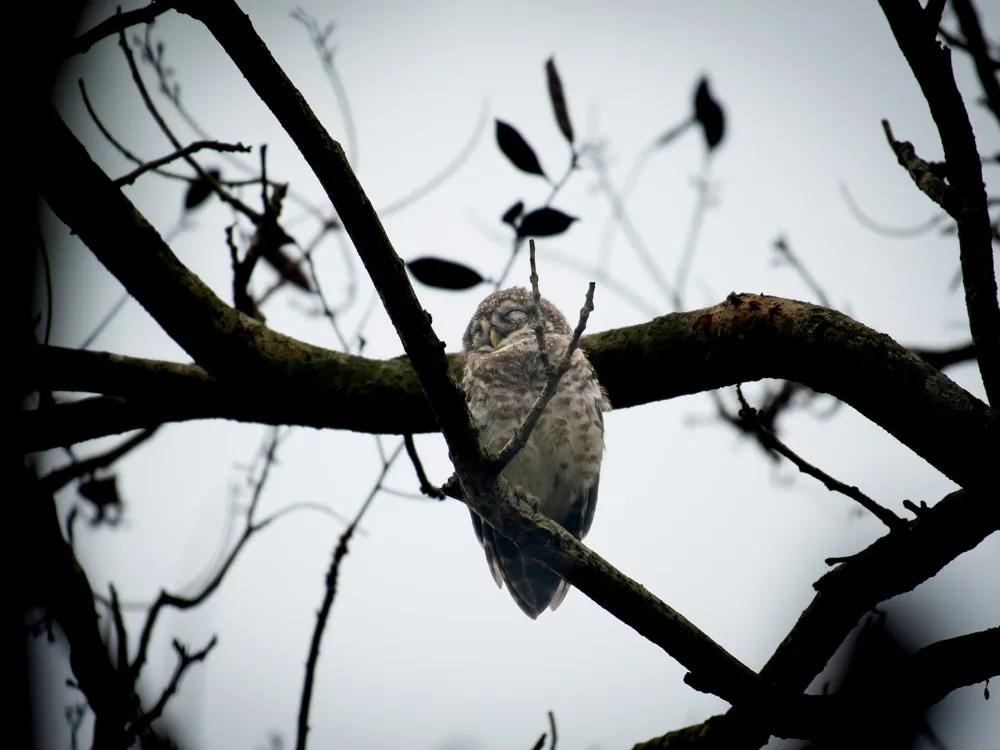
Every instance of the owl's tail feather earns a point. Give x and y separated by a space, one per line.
533 586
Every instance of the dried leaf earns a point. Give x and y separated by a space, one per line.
512 214
558 99
444 274
708 112
517 149
287 266
200 189
544 222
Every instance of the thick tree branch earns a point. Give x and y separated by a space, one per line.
936 670
893 565
931 66
745 338
923 679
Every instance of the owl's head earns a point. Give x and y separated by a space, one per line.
506 312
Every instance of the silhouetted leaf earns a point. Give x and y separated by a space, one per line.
558 99
444 274
517 149
544 222
512 214
200 189
709 113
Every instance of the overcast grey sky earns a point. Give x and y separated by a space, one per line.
422 650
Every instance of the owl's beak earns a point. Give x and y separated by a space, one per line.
494 339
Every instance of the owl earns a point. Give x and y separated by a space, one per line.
561 462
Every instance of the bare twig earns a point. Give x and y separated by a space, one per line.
115 25
321 42
883 229
631 234
266 243
339 552
59 478
136 605
447 171
328 312
426 487
922 172
317 507
691 243
536 301
115 142
154 56
242 300
121 633
793 260
518 440
224 195
184 660
166 599
608 283
631 178
105 321
885 515
552 731
942 358
191 148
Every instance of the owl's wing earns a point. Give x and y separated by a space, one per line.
582 507
532 585
581 511
488 548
